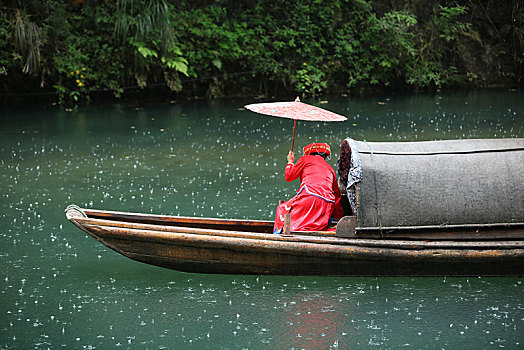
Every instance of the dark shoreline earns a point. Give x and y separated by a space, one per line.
162 95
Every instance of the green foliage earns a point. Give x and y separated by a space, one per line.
146 27
7 56
286 42
376 50
441 45
309 47
28 39
309 80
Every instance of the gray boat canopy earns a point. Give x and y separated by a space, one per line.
457 182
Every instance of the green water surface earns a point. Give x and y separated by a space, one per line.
60 288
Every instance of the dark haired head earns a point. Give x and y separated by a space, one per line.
323 155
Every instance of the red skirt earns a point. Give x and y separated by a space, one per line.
308 213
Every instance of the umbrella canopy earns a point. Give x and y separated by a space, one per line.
295 110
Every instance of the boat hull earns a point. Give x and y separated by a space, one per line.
190 248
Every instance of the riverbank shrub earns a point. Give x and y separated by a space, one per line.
78 48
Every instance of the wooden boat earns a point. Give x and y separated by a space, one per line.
207 245
368 242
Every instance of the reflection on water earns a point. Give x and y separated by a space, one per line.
60 288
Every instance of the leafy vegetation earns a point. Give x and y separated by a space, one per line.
215 48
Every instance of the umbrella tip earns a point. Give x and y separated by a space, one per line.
297 99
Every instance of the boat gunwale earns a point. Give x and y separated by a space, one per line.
257 226
172 218
297 237
469 232
264 226
304 249
457 232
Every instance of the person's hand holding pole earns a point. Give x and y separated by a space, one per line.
291 157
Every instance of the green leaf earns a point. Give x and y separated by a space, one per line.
179 64
145 52
217 63
175 50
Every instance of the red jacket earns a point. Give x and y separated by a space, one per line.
317 178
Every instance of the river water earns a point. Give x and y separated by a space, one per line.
60 288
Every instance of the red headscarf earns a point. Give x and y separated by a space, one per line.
317 147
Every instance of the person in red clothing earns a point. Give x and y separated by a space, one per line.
317 199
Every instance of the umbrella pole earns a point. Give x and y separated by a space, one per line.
294 130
